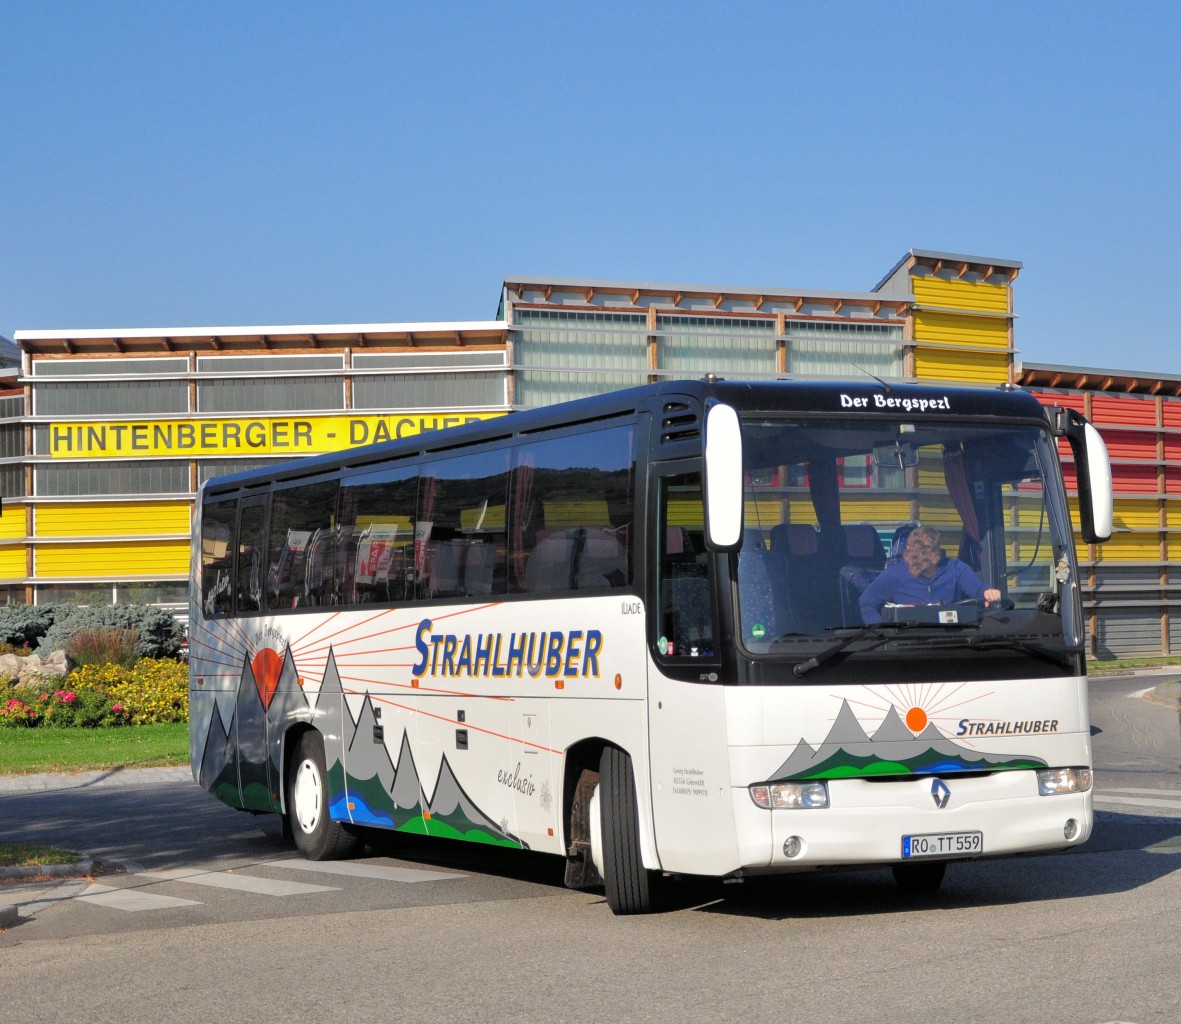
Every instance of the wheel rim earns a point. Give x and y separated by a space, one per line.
308 792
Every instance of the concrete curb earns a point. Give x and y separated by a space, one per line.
35 782
71 869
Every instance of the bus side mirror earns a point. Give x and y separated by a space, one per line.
723 478
1093 466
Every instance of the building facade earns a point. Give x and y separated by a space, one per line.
109 433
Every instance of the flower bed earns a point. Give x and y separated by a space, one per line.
152 690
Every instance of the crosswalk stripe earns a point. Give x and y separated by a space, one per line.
356 870
237 882
131 900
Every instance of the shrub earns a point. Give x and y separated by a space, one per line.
160 634
22 625
103 645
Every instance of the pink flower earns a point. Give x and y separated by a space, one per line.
117 708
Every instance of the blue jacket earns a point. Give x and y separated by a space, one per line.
953 581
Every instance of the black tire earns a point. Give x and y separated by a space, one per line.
921 876
316 835
629 885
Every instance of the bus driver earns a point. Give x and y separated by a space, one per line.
924 575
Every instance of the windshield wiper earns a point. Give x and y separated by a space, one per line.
1021 643
880 631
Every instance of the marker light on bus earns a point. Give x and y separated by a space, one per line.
790 795
1056 781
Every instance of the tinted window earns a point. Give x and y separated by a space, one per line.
302 559
571 513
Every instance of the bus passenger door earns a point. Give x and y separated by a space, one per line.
693 816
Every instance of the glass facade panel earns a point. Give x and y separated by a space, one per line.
727 346
167 476
111 398
270 394
206 470
562 355
844 350
76 593
108 367
236 365
12 441
419 360
12 481
429 391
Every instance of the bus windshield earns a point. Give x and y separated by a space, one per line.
831 507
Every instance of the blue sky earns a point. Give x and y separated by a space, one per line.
170 164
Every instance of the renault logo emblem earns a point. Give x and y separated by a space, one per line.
940 793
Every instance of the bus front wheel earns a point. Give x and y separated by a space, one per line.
628 884
316 835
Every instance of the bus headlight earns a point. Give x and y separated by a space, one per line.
790 795
1056 781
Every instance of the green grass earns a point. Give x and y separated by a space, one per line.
22 855
73 750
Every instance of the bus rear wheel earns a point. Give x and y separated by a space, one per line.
316 835
630 887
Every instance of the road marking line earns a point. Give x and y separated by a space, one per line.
363 870
1141 801
239 883
131 900
1142 792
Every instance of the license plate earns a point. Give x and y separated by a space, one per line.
942 844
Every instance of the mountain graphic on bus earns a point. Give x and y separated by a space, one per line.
242 769
849 752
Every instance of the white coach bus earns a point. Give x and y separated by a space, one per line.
632 631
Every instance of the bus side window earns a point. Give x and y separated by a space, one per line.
377 513
686 623
570 513
217 536
301 553
461 526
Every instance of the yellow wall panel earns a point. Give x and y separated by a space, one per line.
1135 514
936 291
956 329
969 367
12 522
113 520
12 563
1130 547
112 561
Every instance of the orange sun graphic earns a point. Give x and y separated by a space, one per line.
916 720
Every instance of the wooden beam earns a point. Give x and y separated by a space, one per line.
590 294
759 303
549 290
876 308
962 270
718 301
838 306
636 297
799 303
677 298
938 266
